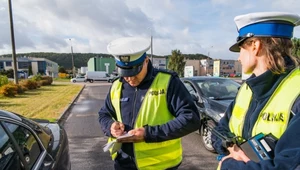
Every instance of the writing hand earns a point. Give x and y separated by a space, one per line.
138 136
117 129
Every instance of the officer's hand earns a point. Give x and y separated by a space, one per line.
138 136
117 129
236 153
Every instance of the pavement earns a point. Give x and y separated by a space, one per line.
64 115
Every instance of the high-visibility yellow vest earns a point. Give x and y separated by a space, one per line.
275 115
153 111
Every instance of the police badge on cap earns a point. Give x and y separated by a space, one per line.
129 54
125 59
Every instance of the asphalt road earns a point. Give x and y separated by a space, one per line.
86 138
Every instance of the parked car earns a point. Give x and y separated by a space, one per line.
212 96
78 79
32 144
92 76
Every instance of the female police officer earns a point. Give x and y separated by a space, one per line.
150 104
268 101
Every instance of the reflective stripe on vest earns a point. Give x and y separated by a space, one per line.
275 115
154 111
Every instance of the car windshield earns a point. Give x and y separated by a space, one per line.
218 88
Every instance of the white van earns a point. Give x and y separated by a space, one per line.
92 76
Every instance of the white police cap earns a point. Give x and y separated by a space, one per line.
129 54
264 24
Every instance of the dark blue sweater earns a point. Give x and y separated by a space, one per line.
287 150
180 105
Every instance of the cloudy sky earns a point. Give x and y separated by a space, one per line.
192 26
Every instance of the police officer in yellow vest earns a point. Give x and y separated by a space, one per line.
268 101
151 104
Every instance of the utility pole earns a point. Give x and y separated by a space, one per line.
12 37
73 69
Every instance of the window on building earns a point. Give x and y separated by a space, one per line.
8 63
23 65
1 65
42 67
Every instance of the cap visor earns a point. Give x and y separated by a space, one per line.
129 72
236 47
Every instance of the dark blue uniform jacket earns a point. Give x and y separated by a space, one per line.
287 150
180 104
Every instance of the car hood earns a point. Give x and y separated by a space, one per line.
220 104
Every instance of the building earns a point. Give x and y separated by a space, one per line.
206 67
159 62
38 66
100 63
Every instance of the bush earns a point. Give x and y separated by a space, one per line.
3 80
20 89
37 77
29 84
9 90
46 80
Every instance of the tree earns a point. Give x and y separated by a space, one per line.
62 70
296 48
176 62
30 70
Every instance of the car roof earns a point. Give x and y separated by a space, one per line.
8 114
203 78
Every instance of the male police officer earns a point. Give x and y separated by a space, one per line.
150 104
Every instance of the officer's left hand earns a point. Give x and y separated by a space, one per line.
138 136
235 153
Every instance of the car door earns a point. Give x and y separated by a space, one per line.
20 148
192 91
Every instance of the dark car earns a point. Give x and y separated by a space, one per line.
212 96
27 144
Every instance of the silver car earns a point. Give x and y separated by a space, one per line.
78 79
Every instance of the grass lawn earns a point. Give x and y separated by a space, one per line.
47 102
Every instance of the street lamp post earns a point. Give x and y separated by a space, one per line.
208 59
73 69
12 36
151 45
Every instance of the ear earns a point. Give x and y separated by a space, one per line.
257 47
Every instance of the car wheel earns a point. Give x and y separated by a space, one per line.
110 80
91 81
206 136
74 81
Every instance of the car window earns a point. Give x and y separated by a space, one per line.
27 142
219 88
190 88
8 156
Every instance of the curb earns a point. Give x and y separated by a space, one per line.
61 120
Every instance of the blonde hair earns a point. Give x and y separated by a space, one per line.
276 49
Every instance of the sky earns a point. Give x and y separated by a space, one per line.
191 26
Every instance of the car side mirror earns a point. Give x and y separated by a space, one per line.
196 98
